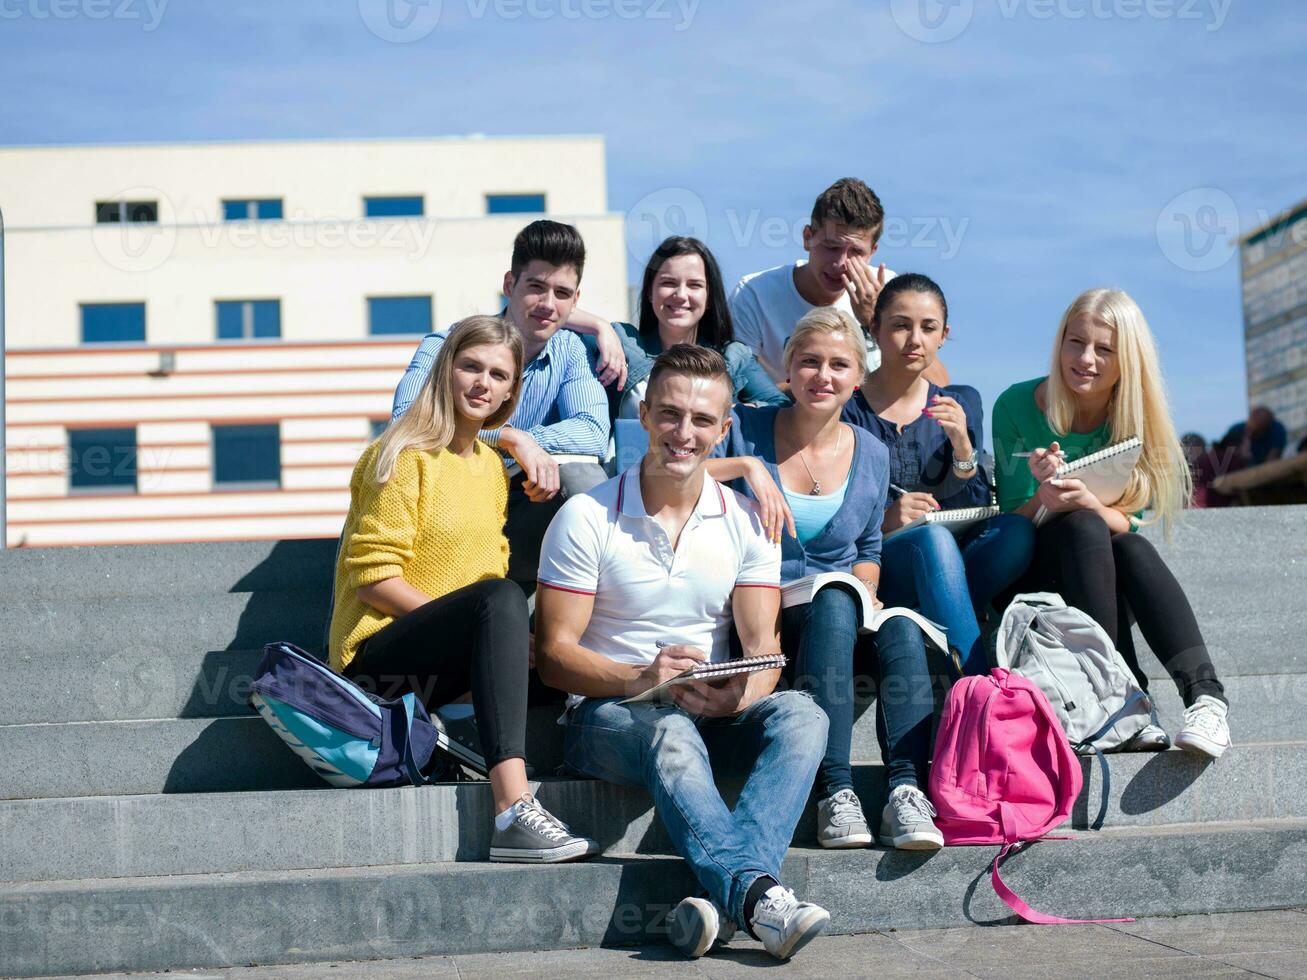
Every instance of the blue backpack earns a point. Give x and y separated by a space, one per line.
346 735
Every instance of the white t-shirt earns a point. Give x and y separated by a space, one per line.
765 308
603 543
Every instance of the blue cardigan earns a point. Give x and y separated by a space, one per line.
853 534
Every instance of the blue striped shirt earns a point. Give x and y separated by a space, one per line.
562 407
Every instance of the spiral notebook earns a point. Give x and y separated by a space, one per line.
712 672
1105 473
957 520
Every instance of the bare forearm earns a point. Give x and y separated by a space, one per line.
572 668
392 596
729 468
584 322
1117 522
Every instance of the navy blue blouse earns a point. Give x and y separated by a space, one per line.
853 534
921 457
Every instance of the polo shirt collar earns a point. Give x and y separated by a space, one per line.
712 498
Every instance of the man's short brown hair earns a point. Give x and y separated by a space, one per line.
692 361
849 202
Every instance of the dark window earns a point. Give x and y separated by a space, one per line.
515 204
399 314
101 459
245 319
113 212
265 209
247 454
393 207
378 426
104 323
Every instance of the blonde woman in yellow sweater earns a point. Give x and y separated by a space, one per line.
422 603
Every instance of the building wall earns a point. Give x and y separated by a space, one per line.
325 380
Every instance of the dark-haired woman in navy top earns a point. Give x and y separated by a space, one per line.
934 438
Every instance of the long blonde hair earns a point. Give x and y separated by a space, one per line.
429 422
830 321
1138 406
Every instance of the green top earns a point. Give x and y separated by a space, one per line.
1020 427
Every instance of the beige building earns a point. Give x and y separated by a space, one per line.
201 338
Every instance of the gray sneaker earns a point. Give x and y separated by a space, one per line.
538 837
841 822
906 822
1150 738
696 924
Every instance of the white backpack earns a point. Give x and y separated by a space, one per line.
1072 660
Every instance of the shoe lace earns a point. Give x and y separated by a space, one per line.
1203 717
845 807
541 820
778 901
911 805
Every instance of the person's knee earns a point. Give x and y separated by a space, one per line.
577 478
674 742
833 602
1082 527
795 716
1133 547
1017 531
502 601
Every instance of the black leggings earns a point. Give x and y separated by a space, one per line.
1113 577
473 638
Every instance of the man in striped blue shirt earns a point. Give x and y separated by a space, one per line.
562 408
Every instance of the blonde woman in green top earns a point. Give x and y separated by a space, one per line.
1105 385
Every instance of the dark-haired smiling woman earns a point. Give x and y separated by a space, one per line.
934 439
682 301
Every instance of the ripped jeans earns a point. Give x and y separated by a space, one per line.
775 743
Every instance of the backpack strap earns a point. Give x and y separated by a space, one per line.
1015 903
1088 743
410 764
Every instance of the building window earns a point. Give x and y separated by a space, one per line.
262 209
399 314
393 207
102 460
377 426
247 456
515 204
248 319
104 323
114 212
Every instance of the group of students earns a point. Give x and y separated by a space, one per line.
790 428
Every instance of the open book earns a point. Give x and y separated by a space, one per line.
1105 473
956 521
711 672
802 590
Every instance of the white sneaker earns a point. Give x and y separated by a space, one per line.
1150 738
841 822
1206 729
784 924
696 924
907 821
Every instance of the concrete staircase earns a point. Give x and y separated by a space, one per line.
149 820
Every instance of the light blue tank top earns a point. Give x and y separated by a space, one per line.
812 514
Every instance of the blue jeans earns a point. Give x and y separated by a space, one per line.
775 743
948 579
822 642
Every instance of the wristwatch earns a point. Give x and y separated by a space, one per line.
968 464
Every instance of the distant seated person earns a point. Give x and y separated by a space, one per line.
682 301
562 408
1261 439
840 238
1205 465
642 579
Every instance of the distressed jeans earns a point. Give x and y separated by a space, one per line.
775 743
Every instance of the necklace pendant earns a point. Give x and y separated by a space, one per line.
816 489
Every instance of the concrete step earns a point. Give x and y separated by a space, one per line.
215 921
182 834
194 755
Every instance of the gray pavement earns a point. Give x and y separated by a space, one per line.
1237 944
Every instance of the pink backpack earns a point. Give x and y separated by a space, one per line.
1003 773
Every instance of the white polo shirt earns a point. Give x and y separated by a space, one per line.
766 307
603 543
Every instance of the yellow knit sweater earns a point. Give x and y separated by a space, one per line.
438 522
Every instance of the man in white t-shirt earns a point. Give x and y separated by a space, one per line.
841 237
642 578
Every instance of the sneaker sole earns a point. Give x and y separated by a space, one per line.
813 929
689 933
466 757
920 841
543 855
848 840
1197 745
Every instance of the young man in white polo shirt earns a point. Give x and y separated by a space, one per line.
840 238
641 578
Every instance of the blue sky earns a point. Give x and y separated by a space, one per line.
1025 149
